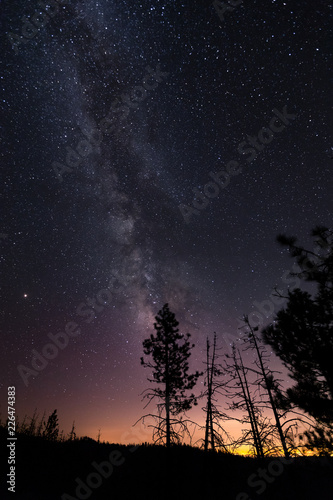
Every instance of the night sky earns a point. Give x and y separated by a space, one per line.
97 234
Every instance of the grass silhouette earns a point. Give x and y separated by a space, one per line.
49 469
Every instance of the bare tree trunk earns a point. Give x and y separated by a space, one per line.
255 431
271 399
208 399
245 396
209 434
211 394
167 398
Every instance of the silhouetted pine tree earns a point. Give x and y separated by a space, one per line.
302 334
170 351
51 430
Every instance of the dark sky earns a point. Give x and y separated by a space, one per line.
127 216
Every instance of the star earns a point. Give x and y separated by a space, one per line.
118 116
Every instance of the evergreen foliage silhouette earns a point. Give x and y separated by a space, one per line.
51 430
170 351
302 333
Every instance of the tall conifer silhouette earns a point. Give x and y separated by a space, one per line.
169 351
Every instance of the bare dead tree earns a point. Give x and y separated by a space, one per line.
250 406
268 383
41 425
216 437
209 435
72 434
239 393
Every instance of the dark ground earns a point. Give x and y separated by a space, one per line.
47 470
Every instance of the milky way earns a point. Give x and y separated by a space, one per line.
116 119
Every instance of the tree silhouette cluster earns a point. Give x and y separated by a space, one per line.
302 337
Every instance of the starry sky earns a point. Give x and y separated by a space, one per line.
118 119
